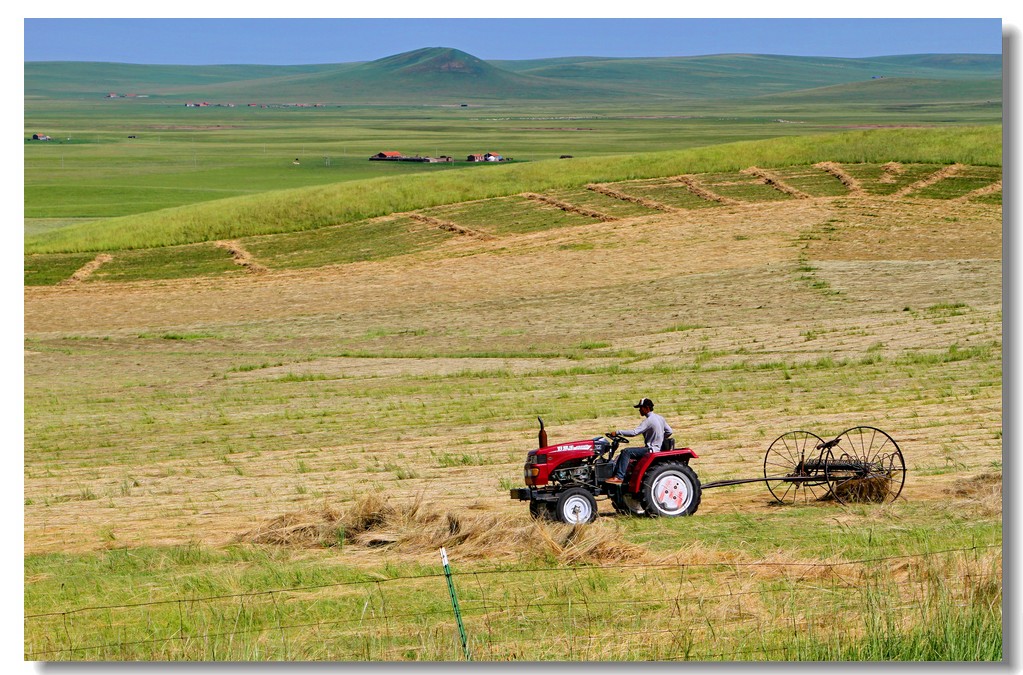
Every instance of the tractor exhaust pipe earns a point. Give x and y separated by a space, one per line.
542 437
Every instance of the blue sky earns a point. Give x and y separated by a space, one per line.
303 41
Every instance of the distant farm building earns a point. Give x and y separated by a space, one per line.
393 156
485 157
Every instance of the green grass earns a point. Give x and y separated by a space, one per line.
668 193
870 176
601 203
993 198
381 239
742 187
310 208
812 181
352 242
268 603
172 262
510 215
968 180
52 268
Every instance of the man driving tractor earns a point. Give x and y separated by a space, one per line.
656 436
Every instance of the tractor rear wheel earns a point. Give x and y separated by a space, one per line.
670 489
575 506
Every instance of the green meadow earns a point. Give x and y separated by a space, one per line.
260 458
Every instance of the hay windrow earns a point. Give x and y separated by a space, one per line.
86 270
891 171
838 172
773 180
622 196
980 192
693 185
242 257
569 208
982 493
417 528
448 226
939 175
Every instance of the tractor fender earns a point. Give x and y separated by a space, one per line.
639 468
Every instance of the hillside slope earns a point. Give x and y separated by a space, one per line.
444 75
310 208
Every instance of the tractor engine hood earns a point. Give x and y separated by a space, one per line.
540 462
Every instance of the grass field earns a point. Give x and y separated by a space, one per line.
260 396
238 466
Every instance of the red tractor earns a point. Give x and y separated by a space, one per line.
564 481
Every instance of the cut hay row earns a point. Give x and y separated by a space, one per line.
570 208
773 180
448 226
611 192
891 171
980 192
415 528
939 175
86 270
836 170
242 257
702 192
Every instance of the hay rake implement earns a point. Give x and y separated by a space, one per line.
861 464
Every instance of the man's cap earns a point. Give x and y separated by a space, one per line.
644 402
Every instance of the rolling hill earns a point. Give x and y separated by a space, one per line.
445 75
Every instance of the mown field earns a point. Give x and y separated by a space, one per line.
258 455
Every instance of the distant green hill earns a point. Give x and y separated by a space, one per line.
59 79
444 75
895 90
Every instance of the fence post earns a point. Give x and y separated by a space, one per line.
454 603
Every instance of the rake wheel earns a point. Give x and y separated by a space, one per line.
865 466
794 455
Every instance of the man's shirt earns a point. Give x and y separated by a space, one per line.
654 430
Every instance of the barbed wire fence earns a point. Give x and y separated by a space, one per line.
654 611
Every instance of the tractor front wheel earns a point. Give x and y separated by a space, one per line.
670 489
575 506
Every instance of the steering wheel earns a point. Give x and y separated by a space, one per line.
618 437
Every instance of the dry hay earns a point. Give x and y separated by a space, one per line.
982 492
939 175
872 490
415 528
448 226
891 171
642 201
86 270
772 180
836 170
980 192
568 208
242 257
691 184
